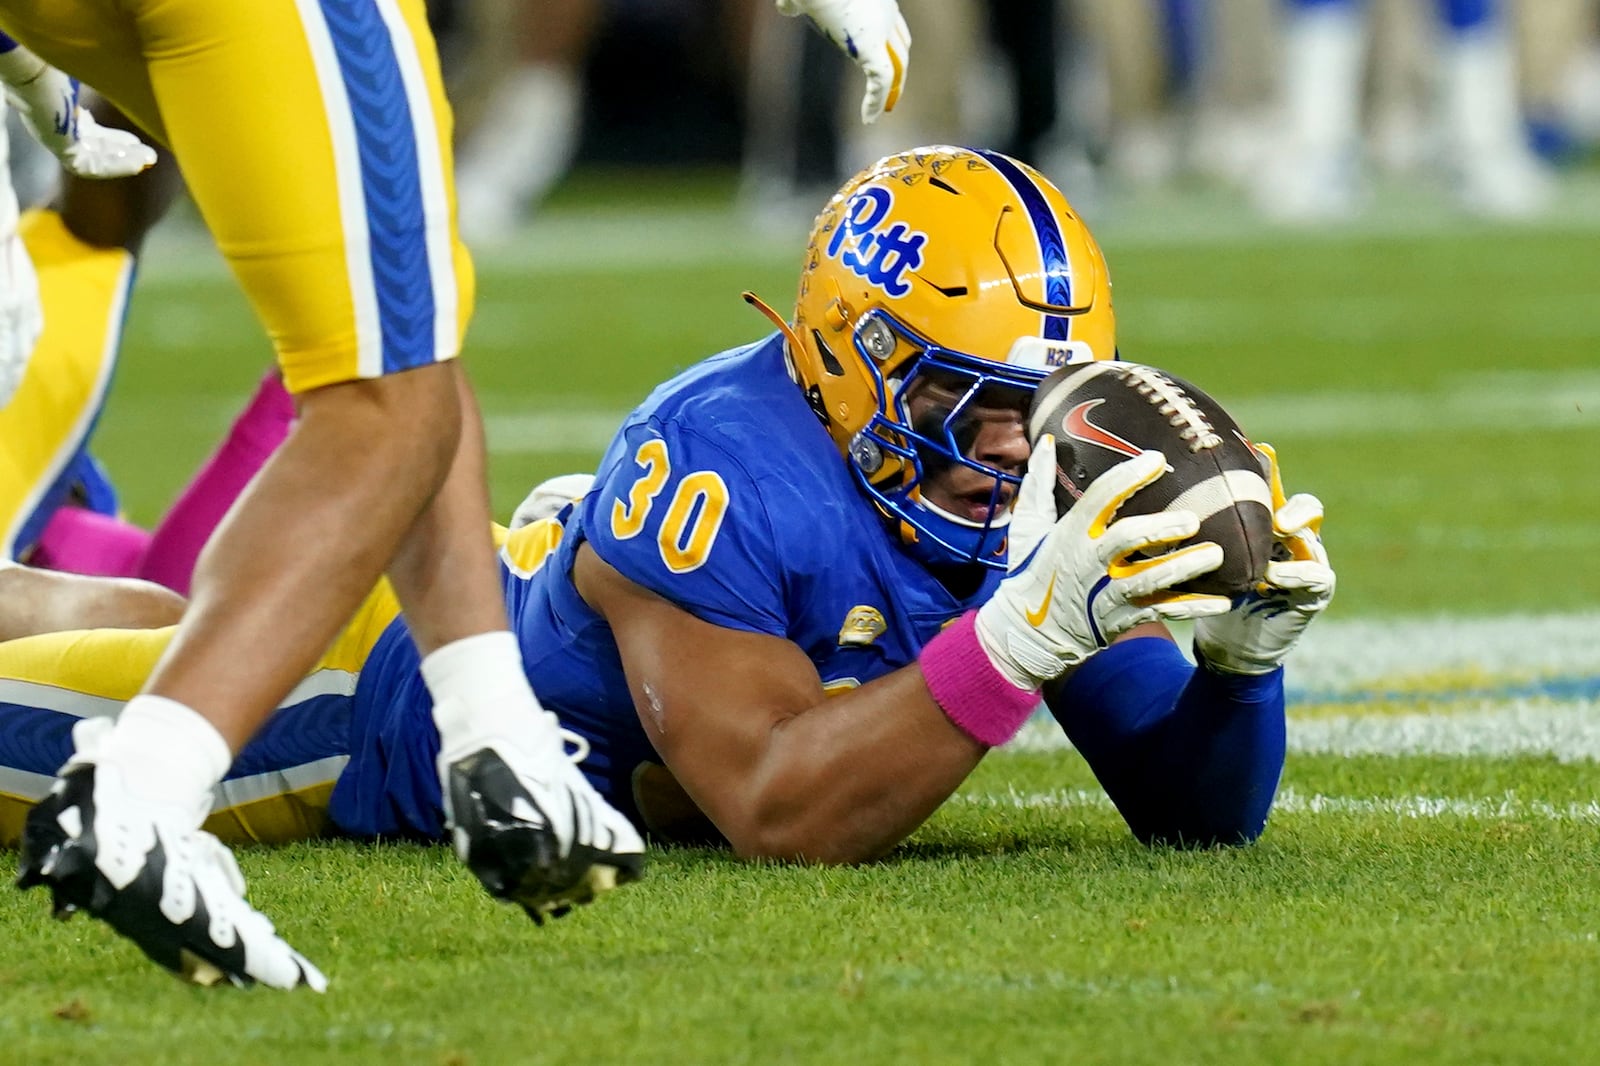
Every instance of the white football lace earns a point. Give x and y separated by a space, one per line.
1162 391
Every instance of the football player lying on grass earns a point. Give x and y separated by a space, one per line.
782 616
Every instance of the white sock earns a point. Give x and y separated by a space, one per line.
1480 92
1496 171
480 691
523 147
167 753
1324 50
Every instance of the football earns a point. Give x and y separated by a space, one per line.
1102 413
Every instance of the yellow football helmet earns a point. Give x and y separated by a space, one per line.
951 260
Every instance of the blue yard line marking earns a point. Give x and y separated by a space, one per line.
1562 689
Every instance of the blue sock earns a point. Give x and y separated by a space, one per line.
1189 757
1183 22
1462 15
1301 5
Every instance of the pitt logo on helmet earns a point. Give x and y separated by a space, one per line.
883 256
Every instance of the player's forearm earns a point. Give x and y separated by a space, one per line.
1189 756
852 777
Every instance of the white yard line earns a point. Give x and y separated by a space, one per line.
1499 402
1459 687
1507 807
1570 732
1346 655
565 432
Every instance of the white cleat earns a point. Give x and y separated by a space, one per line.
172 889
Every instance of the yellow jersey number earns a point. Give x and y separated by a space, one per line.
694 514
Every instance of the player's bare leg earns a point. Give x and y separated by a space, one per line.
119 834
522 817
285 570
306 541
41 601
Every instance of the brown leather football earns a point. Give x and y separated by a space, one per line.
1102 413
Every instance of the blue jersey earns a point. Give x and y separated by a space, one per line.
723 494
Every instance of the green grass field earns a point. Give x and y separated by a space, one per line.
1426 892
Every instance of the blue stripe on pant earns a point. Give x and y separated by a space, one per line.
390 180
39 740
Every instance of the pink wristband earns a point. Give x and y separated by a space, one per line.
972 693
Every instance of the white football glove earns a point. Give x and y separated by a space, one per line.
873 34
21 318
1034 513
1086 585
549 497
47 102
1258 633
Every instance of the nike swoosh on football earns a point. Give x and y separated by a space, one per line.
1036 618
1076 425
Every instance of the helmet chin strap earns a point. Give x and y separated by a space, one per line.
777 320
999 521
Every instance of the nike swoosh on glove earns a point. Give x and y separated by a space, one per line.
1093 576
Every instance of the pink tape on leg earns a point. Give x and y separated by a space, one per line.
971 692
86 542
255 435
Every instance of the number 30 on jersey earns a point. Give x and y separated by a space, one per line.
694 514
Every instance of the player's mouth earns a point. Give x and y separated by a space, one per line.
974 504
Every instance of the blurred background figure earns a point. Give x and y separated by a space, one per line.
1471 131
521 140
1306 110
520 72
987 72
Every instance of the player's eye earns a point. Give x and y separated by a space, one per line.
999 401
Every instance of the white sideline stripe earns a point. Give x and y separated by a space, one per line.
1568 731
1343 655
1498 401
1451 668
615 236
1507 807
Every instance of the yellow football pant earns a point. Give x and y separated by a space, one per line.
278 790
315 138
83 290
